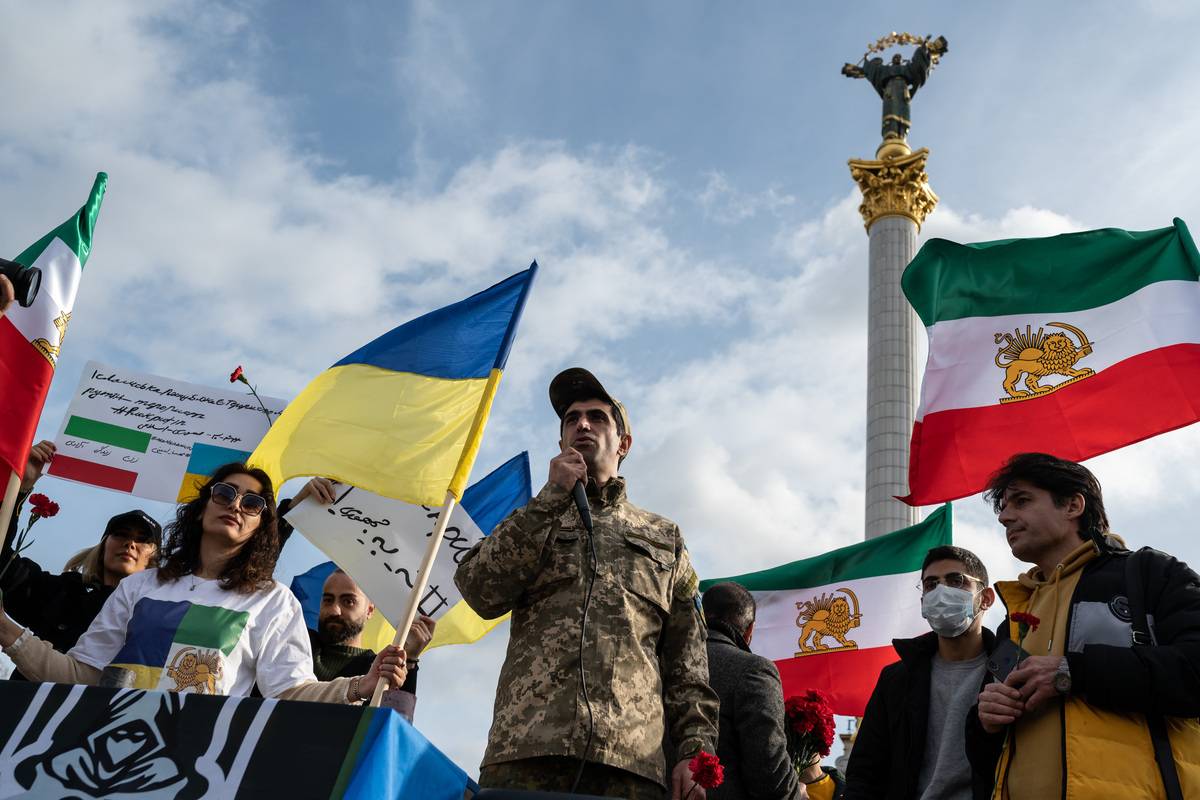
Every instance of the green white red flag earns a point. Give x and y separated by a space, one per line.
31 338
1072 345
828 622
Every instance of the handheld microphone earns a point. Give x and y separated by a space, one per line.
579 493
581 503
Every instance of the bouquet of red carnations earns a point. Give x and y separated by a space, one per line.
810 728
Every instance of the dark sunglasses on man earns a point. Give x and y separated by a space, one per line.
225 495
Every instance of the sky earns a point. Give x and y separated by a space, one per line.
288 181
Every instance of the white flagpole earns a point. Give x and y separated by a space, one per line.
418 591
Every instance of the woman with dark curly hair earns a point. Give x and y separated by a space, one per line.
210 619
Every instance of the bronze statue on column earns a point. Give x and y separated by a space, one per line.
898 81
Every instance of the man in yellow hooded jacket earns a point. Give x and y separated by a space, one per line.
1104 698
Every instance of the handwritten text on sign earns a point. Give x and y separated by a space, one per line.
381 542
153 436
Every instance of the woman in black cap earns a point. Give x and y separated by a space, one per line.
59 608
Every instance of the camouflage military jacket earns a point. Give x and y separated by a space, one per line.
644 655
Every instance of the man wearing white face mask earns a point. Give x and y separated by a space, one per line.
910 742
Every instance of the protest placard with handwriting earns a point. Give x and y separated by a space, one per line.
151 436
381 542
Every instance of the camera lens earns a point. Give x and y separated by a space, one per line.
25 280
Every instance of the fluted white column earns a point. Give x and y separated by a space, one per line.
891 375
896 200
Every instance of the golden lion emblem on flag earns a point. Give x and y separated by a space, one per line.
827 615
1034 356
193 667
50 351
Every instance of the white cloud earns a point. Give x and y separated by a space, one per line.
434 65
212 208
1023 222
761 442
723 203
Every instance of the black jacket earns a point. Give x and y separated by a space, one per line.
1163 679
751 742
889 750
56 608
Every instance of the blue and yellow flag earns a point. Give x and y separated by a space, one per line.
485 505
403 415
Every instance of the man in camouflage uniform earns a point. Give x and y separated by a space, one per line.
644 654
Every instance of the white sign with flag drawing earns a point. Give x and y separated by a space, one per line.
152 436
381 542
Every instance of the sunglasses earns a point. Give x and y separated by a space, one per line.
137 537
225 495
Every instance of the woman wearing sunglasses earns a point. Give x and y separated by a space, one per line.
210 619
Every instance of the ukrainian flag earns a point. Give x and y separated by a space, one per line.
486 504
403 416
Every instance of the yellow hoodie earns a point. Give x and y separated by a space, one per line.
1099 753
1035 771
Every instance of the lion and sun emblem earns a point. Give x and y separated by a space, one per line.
827 615
50 351
195 668
1034 356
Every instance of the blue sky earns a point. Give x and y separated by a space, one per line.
290 180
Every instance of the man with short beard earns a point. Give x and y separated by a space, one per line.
607 641
337 642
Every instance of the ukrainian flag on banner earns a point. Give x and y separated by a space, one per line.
160 632
486 504
204 460
403 415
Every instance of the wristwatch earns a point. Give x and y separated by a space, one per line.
1062 678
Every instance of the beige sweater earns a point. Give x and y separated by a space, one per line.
38 661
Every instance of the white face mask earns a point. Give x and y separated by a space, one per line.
949 611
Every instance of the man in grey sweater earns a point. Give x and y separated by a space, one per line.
910 745
751 743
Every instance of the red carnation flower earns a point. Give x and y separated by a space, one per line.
40 507
1025 618
240 375
707 770
810 727
43 506
1026 622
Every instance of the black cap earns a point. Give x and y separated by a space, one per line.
136 520
577 383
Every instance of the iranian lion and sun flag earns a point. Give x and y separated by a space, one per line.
31 338
1073 345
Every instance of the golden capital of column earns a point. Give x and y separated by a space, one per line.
894 185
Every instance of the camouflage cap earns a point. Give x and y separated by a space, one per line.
577 383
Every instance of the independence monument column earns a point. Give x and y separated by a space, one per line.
896 200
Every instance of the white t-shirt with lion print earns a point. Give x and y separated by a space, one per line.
190 635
